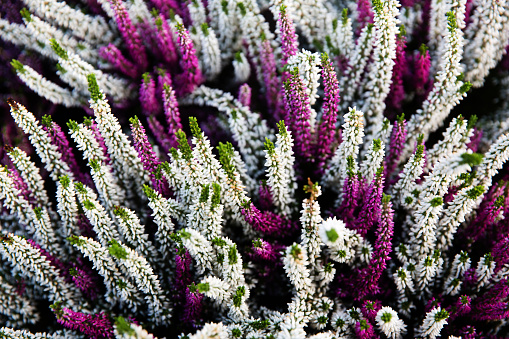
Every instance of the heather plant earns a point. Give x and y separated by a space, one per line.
254 169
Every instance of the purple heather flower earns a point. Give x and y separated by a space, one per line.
397 143
244 95
171 109
475 139
94 326
182 273
129 34
271 80
59 139
265 196
488 212
461 307
364 14
370 212
381 251
327 127
397 92
54 261
192 306
298 113
370 308
192 76
289 43
166 6
500 253
149 103
20 184
84 281
147 155
20 286
422 67
158 130
115 57
351 190
364 330
431 304
267 222
164 39
99 138
265 251
86 229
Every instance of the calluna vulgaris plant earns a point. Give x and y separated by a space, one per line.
254 169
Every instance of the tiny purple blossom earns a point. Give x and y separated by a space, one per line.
129 34
422 70
265 195
475 139
192 306
84 281
267 222
370 309
192 76
327 127
289 43
271 80
164 39
149 103
364 14
370 212
171 109
397 92
115 57
265 251
95 326
244 95
351 190
182 273
397 143
20 185
364 330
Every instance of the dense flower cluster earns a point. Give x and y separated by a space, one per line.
254 169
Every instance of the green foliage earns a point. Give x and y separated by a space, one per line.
64 181
18 66
116 250
62 53
93 88
123 327
195 129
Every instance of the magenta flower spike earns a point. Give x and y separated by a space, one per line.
84 282
364 14
55 262
267 222
129 34
422 68
289 43
265 196
20 184
98 136
182 273
271 80
115 57
397 93
298 113
166 6
95 326
351 190
364 330
382 248
192 76
327 129
461 307
486 216
265 251
171 109
370 308
370 213
397 143
475 139
192 306
158 130
149 103
164 39
244 95
59 139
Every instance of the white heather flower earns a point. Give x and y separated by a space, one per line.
67 207
486 33
18 309
248 129
47 89
459 266
9 333
403 280
211 331
427 270
41 141
295 264
124 157
215 288
433 323
225 23
374 159
307 63
87 142
19 35
118 287
455 138
199 248
353 132
380 70
280 173
241 67
30 174
92 29
341 37
197 12
211 55
411 172
350 83
485 269
140 270
389 323
30 264
341 241
447 90
109 191
364 251
311 221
